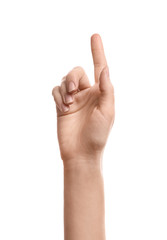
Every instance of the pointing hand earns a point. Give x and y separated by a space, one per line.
85 113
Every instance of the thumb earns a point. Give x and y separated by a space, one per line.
106 101
104 81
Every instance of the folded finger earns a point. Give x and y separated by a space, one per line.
58 100
67 97
76 80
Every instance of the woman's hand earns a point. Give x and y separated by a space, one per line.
85 113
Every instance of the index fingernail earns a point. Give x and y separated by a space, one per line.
71 86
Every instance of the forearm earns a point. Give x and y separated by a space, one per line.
84 201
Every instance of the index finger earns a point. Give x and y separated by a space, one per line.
98 55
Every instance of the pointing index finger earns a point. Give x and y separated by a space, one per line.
98 55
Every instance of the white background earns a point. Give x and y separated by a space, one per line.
40 41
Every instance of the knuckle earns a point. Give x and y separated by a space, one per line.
74 73
63 79
78 68
55 90
62 86
69 76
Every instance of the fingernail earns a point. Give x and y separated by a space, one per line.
64 108
68 98
71 87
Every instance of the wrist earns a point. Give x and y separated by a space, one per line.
84 162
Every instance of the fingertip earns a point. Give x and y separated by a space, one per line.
95 37
64 108
96 41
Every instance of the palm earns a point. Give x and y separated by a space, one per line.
79 130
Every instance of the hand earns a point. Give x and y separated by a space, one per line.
85 113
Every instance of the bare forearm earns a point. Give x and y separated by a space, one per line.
84 201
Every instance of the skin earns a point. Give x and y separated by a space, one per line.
85 115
